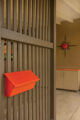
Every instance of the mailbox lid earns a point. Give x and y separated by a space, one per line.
21 78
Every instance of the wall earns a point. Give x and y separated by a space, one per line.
72 58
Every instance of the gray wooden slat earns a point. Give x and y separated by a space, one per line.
21 105
16 98
25 16
46 21
54 61
30 18
40 7
34 90
37 72
10 100
41 107
37 19
46 83
30 92
15 14
41 73
43 84
20 60
43 20
3 101
33 17
18 37
49 61
25 94
29 55
37 55
34 56
25 67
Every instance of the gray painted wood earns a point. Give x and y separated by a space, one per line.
10 100
18 37
34 57
34 104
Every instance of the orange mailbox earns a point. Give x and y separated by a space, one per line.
18 82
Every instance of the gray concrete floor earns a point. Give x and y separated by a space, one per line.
67 105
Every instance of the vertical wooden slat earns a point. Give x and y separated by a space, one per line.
43 84
41 72
37 18
30 92
43 19
33 55
20 60
40 3
54 59
10 100
46 83
25 94
2 97
48 61
41 108
46 20
29 56
37 54
25 16
34 90
16 98
37 72
33 17
25 66
30 13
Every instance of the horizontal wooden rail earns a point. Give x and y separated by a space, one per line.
18 37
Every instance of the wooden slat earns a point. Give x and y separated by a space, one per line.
41 73
40 3
46 21
54 60
10 100
25 94
37 19
30 92
14 36
33 17
34 56
20 59
41 109
25 16
34 90
43 20
29 56
30 18
25 67
3 98
37 56
46 62
37 72
49 61
43 84
16 98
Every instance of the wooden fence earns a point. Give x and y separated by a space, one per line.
28 29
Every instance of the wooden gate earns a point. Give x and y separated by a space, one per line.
27 32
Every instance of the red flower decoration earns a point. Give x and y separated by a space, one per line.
64 45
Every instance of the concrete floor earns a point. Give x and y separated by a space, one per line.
68 105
